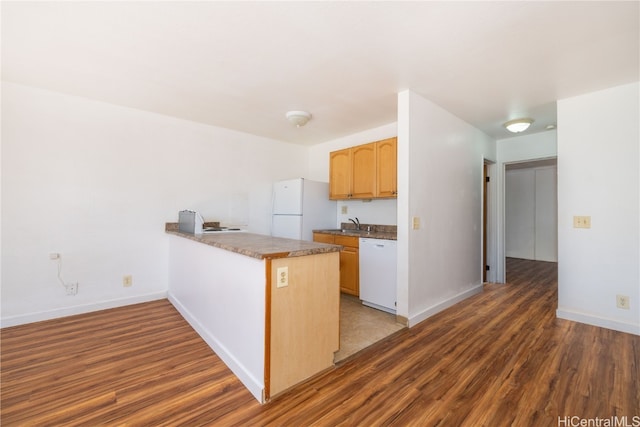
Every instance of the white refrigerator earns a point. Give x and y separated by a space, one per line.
301 206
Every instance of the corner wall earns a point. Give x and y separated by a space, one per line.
441 184
598 175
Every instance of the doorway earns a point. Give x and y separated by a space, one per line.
531 210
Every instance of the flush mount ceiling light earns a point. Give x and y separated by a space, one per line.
298 118
518 125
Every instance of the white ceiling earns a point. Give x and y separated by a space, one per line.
243 65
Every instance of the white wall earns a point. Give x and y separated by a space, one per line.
440 181
598 164
225 308
535 146
531 213
368 212
96 183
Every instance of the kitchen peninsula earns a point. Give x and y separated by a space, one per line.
268 306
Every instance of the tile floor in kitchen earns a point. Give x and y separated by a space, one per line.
361 326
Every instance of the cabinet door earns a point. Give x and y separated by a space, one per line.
340 174
387 168
363 160
349 271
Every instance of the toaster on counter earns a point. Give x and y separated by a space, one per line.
190 222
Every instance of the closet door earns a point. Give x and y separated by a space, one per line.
531 214
546 217
520 214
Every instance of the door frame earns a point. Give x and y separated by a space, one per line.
488 212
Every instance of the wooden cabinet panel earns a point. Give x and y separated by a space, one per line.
349 241
349 271
304 319
323 238
349 260
340 174
363 171
387 168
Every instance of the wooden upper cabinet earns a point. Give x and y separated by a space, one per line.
363 171
387 168
340 174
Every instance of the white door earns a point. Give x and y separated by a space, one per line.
289 226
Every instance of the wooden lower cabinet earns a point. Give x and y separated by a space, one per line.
324 238
349 260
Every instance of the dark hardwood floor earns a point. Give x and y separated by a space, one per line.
499 358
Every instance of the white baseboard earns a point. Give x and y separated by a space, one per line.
255 387
22 319
437 308
602 322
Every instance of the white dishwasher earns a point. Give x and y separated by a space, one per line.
378 265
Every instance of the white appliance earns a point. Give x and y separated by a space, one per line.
378 265
301 206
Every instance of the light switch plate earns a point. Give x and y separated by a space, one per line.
416 223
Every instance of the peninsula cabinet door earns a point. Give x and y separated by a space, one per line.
304 330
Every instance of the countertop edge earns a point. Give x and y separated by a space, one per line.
246 250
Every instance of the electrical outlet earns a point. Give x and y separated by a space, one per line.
622 301
344 210
54 255
282 276
581 222
72 288
127 280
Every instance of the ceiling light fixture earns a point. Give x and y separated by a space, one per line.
298 118
518 125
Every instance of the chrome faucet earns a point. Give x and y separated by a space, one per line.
356 223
